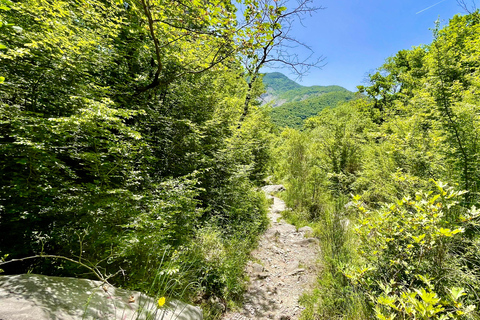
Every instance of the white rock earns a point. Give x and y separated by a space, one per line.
273 188
38 297
306 230
257 268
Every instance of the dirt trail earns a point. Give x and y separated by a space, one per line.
281 269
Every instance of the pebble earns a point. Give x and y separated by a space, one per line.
297 271
257 268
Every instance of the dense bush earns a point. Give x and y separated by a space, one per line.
412 255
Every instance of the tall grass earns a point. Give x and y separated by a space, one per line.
333 297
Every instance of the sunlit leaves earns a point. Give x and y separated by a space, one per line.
129 174
412 240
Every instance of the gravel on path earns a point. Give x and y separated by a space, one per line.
281 269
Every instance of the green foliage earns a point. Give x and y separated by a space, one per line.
304 93
120 141
417 121
435 86
410 249
333 298
286 90
278 82
326 157
294 103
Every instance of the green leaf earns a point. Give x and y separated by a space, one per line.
419 238
428 297
449 233
456 293
4 5
387 301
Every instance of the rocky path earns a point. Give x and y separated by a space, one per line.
282 267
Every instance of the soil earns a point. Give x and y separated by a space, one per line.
281 269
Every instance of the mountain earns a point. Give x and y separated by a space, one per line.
292 103
278 82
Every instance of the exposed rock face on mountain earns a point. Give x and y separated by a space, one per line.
292 103
38 297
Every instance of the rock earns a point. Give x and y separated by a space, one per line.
294 265
306 242
257 268
273 188
345 223
262 275
217 304
297 271
306 230
38 297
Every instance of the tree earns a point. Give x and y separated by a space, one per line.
273 48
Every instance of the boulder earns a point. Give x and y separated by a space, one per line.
38 297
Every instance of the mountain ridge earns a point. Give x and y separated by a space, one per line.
293 103
280 89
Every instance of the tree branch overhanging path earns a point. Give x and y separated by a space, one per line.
258 34
275 51
261 36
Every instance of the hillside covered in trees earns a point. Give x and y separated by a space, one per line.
293 103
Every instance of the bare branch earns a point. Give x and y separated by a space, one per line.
278 51
468 8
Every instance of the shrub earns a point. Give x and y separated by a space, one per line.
412 266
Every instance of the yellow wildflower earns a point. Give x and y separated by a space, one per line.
161 302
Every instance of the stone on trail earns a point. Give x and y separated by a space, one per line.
273 188
308 241
257 268
306 230
38 297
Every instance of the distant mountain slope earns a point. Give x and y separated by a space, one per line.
278 82
293 103
292 114
280 90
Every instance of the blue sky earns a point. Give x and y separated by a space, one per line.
356 37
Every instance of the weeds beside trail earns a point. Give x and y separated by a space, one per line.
332 297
